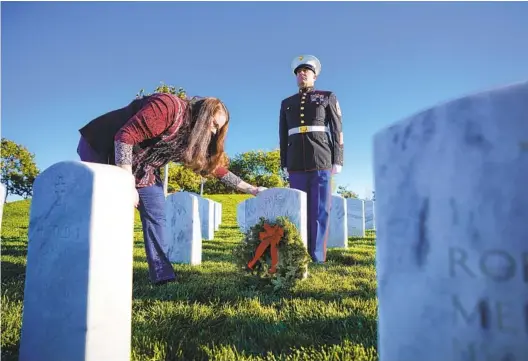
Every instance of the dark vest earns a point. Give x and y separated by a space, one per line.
100 132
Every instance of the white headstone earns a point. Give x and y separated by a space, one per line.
217 215
370 215
78 287
183 229
251 216
206 210
356 217
2 199
338 229
241 215
276 202
452 243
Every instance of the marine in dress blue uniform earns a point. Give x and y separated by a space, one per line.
311 148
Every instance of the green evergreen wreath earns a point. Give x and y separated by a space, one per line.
293 258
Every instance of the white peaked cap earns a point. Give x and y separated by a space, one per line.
308 61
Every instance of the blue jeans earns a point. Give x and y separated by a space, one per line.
317 185
152 212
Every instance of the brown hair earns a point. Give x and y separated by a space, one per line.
195 145
204 152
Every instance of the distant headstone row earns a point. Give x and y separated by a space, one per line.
190 218
349 217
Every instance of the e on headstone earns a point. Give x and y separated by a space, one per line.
338 230
183 229
78 288
452 234
355 217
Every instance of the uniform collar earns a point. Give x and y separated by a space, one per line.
306 90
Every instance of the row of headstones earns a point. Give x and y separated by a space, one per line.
190 218
349 217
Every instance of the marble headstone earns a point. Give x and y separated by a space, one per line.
78 287
2 199
206 210
452 235
370 215
338 232
183 230
241 215
276 202
250 215
218 215
356 217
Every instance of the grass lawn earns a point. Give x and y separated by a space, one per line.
214 313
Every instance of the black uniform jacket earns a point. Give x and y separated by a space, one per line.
307 151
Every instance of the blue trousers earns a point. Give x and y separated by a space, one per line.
317 185
152 212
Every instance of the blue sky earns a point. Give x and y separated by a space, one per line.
63 63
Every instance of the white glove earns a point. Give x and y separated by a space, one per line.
286 172
336 169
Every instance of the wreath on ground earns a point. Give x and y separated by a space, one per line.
273 251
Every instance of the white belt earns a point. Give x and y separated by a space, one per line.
308 128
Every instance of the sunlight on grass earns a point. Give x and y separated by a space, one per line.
216 313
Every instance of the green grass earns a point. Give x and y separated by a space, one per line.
214 313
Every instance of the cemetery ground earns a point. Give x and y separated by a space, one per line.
214 312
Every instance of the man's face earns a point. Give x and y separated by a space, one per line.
305 78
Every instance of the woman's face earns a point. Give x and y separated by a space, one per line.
218 122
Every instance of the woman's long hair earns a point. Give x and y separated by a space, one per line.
194 144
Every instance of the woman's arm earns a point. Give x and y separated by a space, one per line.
234 181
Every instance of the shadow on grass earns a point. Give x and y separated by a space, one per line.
13 278
191 333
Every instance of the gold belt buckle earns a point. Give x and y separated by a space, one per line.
303 129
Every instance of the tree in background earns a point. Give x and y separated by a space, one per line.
164 88
344 192
18 169
182 179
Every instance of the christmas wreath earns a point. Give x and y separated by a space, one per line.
273 251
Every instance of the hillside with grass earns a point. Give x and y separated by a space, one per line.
214 312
